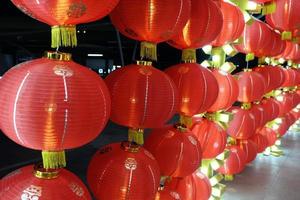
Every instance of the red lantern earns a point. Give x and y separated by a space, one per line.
167 194
291 76
287 16
64 16
236 161
52 104
277 47
250 149
37 184
251 86
198 88
176 150
118 171
151 22
283 127
258 112
142 96
290 119
271 109
233 24
211 136
243 124
270 135
203 26
286 103
193 187
260 141
228 91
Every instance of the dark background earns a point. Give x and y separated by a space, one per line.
23 38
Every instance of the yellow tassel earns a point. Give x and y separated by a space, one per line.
269 8
249 57
64 36
148 51
286 35
189 56
136 135
246 106
218 57
187 121
229 178
54 159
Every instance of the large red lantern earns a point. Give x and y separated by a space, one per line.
176 150
167 194
260 141
64 16
34 183
235 163
287 16
52 104
142 96
203 26
251 86
269 134
118 171
250 149
198 88
211 136
243 124
228 91
150 22
193 187
233 24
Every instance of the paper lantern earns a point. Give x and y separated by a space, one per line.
286 103
269 77
142 96
277 47
198 88
296 99
233 24
118 171
211 136
176 150
251 86
203 26
192 187
290 119
235 163
250 149
277 77
283 127
271 109
52 104
270 135
167 194
260 141
228 91
287 16
259 113
150 22
64 16
34 183
290 78
242 125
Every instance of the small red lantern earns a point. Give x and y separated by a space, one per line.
193 187
228 91
235 163
35 183
118 171
150 22
243 124
233 24
203 26
212 137
64 16
286 101
142 96
291 76
250 149
259 113
52 104
269 134
260 141
167 194
176 150
198 88
283 127
252 86
271 109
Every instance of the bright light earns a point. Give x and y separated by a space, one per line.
95 55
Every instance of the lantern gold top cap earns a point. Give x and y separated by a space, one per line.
53 55
130 147
42 173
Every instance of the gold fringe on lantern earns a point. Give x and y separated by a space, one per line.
54 159
249 57
218 57
42 173
136 135
229 177
269 8
189 56
64 36
286 35
246 106
186 120
148 51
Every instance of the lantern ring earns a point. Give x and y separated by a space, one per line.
58 56
43 173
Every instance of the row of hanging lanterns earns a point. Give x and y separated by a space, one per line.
53 104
